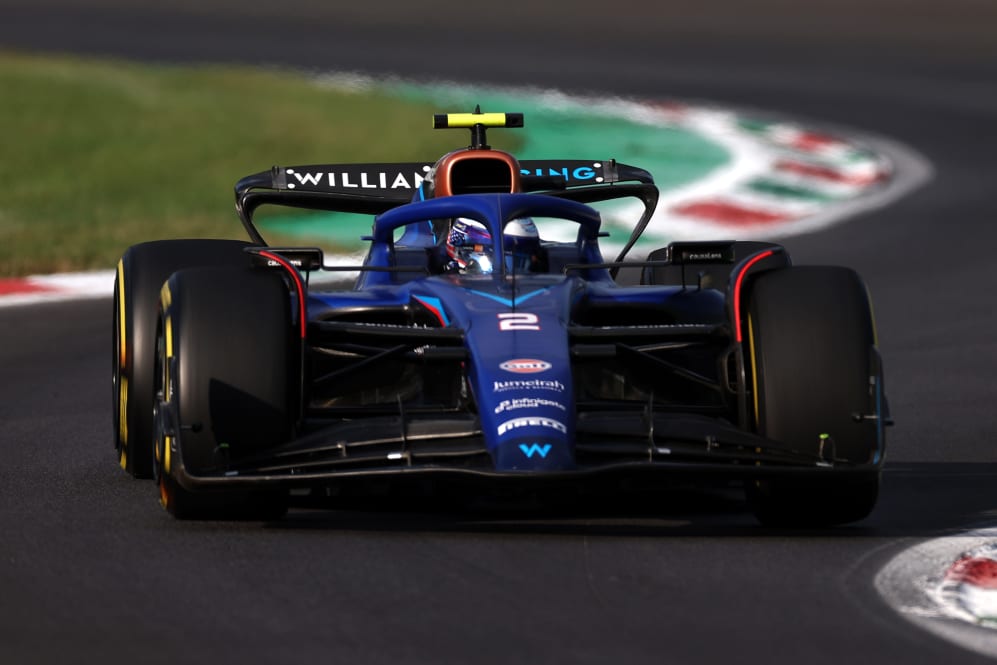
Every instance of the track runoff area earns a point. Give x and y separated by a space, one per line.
723 174
948 586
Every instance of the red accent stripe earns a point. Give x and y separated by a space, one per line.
436 312
978 571
9 287
297 284
737 290
825 173
729 213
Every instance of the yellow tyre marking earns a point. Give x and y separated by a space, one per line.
754 367
165 300
165 493
123 414
168 332
167 379
121 314
167 444
122 379
165 297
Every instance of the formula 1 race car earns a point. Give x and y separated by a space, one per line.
472 353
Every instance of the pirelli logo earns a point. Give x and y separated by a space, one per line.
532 421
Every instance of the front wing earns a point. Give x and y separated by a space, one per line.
452 448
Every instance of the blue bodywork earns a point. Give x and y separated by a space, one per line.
515 327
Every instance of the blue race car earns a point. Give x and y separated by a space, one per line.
471 352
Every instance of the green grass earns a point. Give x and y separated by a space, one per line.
99 155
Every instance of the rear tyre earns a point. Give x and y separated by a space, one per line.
141 272
815 373
227 376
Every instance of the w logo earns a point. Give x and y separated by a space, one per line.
535 449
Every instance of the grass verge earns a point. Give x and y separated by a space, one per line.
98 155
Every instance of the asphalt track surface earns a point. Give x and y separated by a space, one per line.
91 570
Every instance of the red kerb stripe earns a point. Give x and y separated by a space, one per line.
825 173
729 213
978 571
10 287
810 141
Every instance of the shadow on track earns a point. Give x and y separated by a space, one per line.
918 500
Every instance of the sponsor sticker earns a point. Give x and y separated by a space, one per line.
532 421
525 366
527 403
531 449
355 179
511 321
527 384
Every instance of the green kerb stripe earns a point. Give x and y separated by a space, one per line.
782 190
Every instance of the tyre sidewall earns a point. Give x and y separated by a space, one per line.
142 271
811 342
234 351
812 348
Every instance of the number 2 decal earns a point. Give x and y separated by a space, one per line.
518 321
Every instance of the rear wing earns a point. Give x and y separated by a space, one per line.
378 187
398 182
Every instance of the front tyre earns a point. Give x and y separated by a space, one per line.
228 374
141 272
817 387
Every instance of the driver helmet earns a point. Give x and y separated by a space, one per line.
469 246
